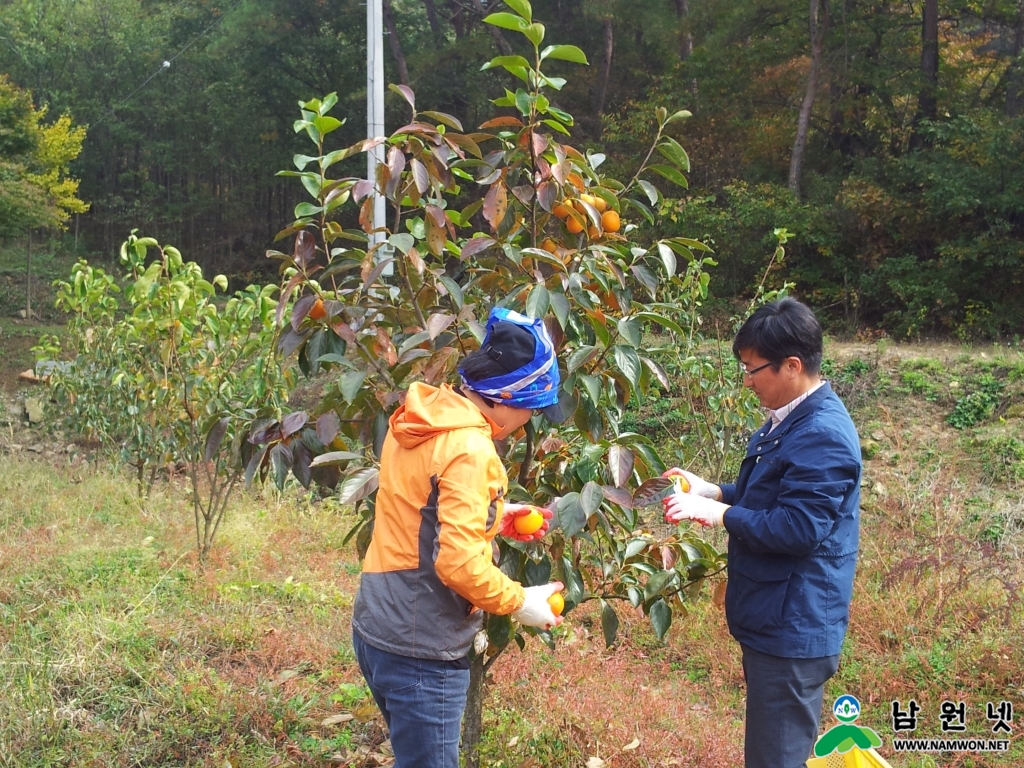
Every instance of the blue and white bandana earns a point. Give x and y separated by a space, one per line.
534 385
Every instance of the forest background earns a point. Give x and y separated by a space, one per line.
887 136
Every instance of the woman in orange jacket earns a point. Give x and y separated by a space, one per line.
430 572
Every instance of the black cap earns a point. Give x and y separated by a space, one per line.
511 346
563 409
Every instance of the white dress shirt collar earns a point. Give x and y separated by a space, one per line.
779 415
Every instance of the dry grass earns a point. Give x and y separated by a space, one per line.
118 649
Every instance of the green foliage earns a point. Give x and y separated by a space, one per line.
35 188
174 377
977 405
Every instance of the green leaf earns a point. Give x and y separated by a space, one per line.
674 153
562 116
628 361
581 356
556 125
507 21
537 302
565 53
350 384
682 114
454 290
630 330
657 583
402 242
671 174
668 258
534 33
358 485
635 547
326 124
650 190
665 322
301 161
592 386
506 62
661 618
591 497
306 210
522 7
609 624
695 245
570 514
574 588
560 306
334 458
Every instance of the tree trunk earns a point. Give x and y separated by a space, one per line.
499 39
927 101
685 33
1015 78
28 278
606 71
818 30
435 22
472 718
396 44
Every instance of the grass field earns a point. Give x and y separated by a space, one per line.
118 649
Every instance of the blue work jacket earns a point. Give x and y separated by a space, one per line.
793 520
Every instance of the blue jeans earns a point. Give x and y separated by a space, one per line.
422 701
783 707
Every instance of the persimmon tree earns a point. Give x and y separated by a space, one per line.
510 214
167 372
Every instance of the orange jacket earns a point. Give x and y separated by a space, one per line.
430 562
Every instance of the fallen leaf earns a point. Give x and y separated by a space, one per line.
632 745
513 741
344 717
595 762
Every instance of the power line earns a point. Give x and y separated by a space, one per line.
167 62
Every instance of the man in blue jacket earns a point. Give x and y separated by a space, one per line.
793 517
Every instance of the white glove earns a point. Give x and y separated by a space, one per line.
687 506
698 485
535 611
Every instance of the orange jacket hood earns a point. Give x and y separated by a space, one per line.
431 410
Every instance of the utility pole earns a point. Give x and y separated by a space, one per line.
375 107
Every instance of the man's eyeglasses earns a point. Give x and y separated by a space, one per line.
752 371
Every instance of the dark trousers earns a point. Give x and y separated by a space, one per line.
783 707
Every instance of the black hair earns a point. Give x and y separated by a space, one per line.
478 366
781 329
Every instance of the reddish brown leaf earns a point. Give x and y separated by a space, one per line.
385 348
301 309
540 143
436 213
305 249
361 189
406 93
419 176
506 121
344 332
462 144
366 215
438 367
437 322
327 427
495 204
416 260
475 246
523 193
547 194
436 236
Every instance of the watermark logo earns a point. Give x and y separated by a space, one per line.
846 736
